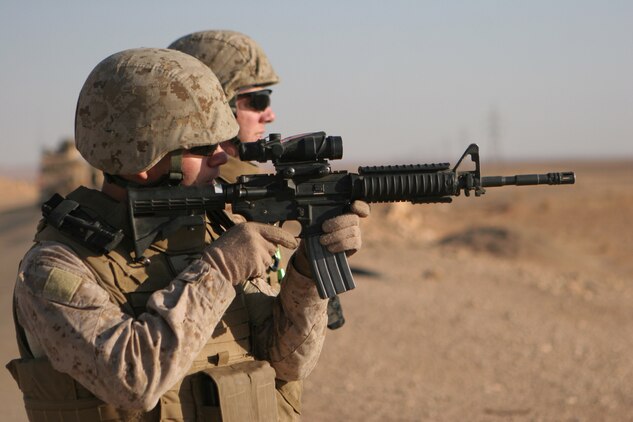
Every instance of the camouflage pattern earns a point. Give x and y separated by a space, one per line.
87 336
236 59
138 105
70 317
85 332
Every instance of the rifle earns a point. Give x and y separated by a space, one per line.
304 188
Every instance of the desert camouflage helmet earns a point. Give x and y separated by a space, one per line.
140 104
236 59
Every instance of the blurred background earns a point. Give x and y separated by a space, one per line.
412 81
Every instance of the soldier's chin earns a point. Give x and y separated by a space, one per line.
253 137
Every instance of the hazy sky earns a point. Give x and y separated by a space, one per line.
400 81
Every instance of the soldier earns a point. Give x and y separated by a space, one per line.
103 336
245 74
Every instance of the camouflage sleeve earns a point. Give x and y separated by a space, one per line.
126 362
298 327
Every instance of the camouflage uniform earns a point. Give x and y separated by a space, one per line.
105 338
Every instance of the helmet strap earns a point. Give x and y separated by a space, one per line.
175 170
120 181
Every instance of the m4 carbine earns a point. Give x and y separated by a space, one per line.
304 188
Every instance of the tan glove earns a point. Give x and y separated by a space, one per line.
340 234
246 250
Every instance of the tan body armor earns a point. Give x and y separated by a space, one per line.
225 382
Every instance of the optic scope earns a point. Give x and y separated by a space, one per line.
315 146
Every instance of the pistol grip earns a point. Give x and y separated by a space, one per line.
330 272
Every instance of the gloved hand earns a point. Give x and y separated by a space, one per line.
246 250
340 234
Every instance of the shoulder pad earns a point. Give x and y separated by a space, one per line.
68 217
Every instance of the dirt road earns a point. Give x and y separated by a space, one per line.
16 231
516 306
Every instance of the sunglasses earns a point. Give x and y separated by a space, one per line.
257 100
205 150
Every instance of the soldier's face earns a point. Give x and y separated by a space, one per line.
200 170
252 121
197 170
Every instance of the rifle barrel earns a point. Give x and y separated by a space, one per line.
562 178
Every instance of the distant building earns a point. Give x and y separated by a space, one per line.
64 169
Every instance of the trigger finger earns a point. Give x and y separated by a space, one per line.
278 236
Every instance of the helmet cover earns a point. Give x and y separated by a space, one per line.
236 59
140 104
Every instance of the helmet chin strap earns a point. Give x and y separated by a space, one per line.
173 178
175 168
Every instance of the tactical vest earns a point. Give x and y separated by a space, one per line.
225 382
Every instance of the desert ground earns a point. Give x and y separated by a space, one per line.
515 306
